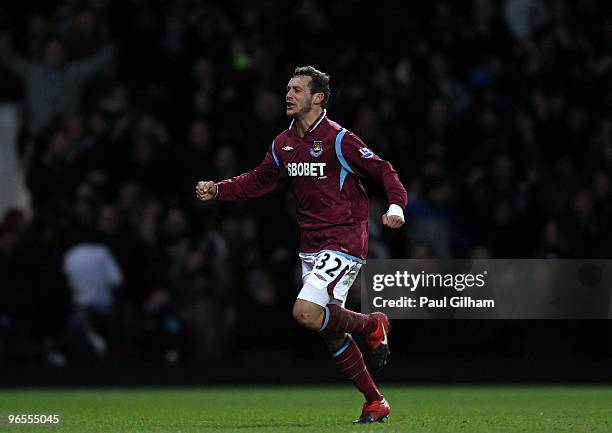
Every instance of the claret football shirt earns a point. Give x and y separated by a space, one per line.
324 168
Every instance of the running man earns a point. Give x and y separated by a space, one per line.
324 164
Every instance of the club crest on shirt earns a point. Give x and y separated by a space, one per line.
317 148
366 153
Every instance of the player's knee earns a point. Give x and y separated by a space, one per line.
309 318
302 317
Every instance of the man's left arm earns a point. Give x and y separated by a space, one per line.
362 161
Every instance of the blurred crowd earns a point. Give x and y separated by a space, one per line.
496 113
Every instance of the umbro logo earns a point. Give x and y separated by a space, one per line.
320 277
287 148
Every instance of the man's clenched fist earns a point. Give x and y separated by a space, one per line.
392 221
206 190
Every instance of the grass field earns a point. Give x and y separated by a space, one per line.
316 409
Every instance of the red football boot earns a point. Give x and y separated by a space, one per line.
378 344
374 411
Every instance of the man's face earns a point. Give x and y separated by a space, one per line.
54 54
299 99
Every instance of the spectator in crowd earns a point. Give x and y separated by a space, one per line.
93 274
53 86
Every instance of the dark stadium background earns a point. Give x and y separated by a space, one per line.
498 121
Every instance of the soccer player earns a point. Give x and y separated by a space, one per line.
324 164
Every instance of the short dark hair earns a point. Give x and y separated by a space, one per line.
319 82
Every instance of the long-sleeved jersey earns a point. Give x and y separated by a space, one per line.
324 169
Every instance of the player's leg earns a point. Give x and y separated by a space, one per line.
337 319
328 276
308 311
312 310
375 326
348 358
332 318
343 349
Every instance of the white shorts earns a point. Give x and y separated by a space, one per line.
327 276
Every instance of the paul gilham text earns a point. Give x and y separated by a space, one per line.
425 302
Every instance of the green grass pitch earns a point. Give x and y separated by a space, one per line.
431 409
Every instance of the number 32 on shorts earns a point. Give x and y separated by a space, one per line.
330 267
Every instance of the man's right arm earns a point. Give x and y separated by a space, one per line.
84 69
255 183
